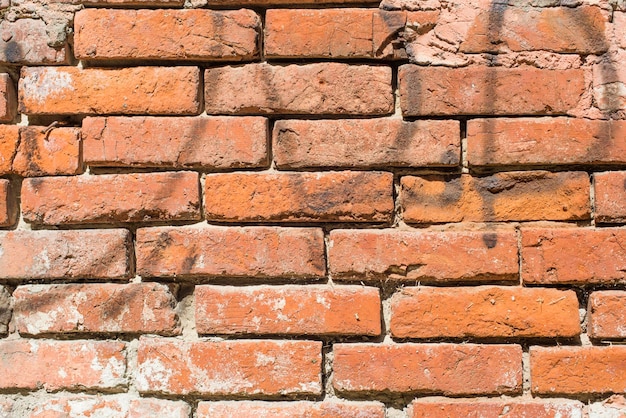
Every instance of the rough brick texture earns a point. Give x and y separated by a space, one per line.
329 409
8 205
441 407
609 196
8 99
607 314
25 42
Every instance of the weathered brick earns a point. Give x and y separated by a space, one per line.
607 314
378 143
609 82
231 252
610 201
483 312
511 196
8 98
293 310
134 3
480 90
336 33
111 198
545 141
51 153
614 406
136 90
232 368
9 140
560 29
474 408
391 254
577 370
347 196
87 254
25 42
195 34
54 365
331 88
5 312
449 369
270 3
83 308
201 142
8 204
301 409
106 406
573 256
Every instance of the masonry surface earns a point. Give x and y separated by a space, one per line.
312 208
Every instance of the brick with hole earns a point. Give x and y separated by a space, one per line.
144 197
581 256
8 204
181 35
207 143
25 42
510 196
65 255
8 98
298 409
57 365
288 310
253 252
137 308
610 197
576 371
607 314
448 369
102 406
366 143
484 312
494 408
425 256
344 196
242 368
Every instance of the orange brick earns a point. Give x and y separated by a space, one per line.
134 3
347 196
512 196
332 88
479 90
326 409
267 252
9 141
484 312
179 142
92 254
293 310
8 98
115 405
449 369
607 314
577 370
390 254
610 200
378 143
474 408
111 198
55 365
103 308
25 42
560 29
51 153
8 204
545 141
233 368
136 90
179 35
573 256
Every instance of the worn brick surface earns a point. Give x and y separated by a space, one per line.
327 409
25 42
5 310
8 204
115 405
9 141
607 314
47 153
610 200
445 408
8 99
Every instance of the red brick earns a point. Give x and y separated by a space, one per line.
88 254
8 204
479 90
577 370
179 142
52 153
55 365
610 200
391 254
336 33
264 252
136 90
25 42
179 35
9 141
573 256
8 98
103 308
545 141
111 198
347 196
331 88
560 29
292 310
326 409
484 312
607 314
511 196
270 3
379 143
232 368
473 408
134 3
449 369
107 406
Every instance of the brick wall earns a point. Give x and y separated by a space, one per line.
294 208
